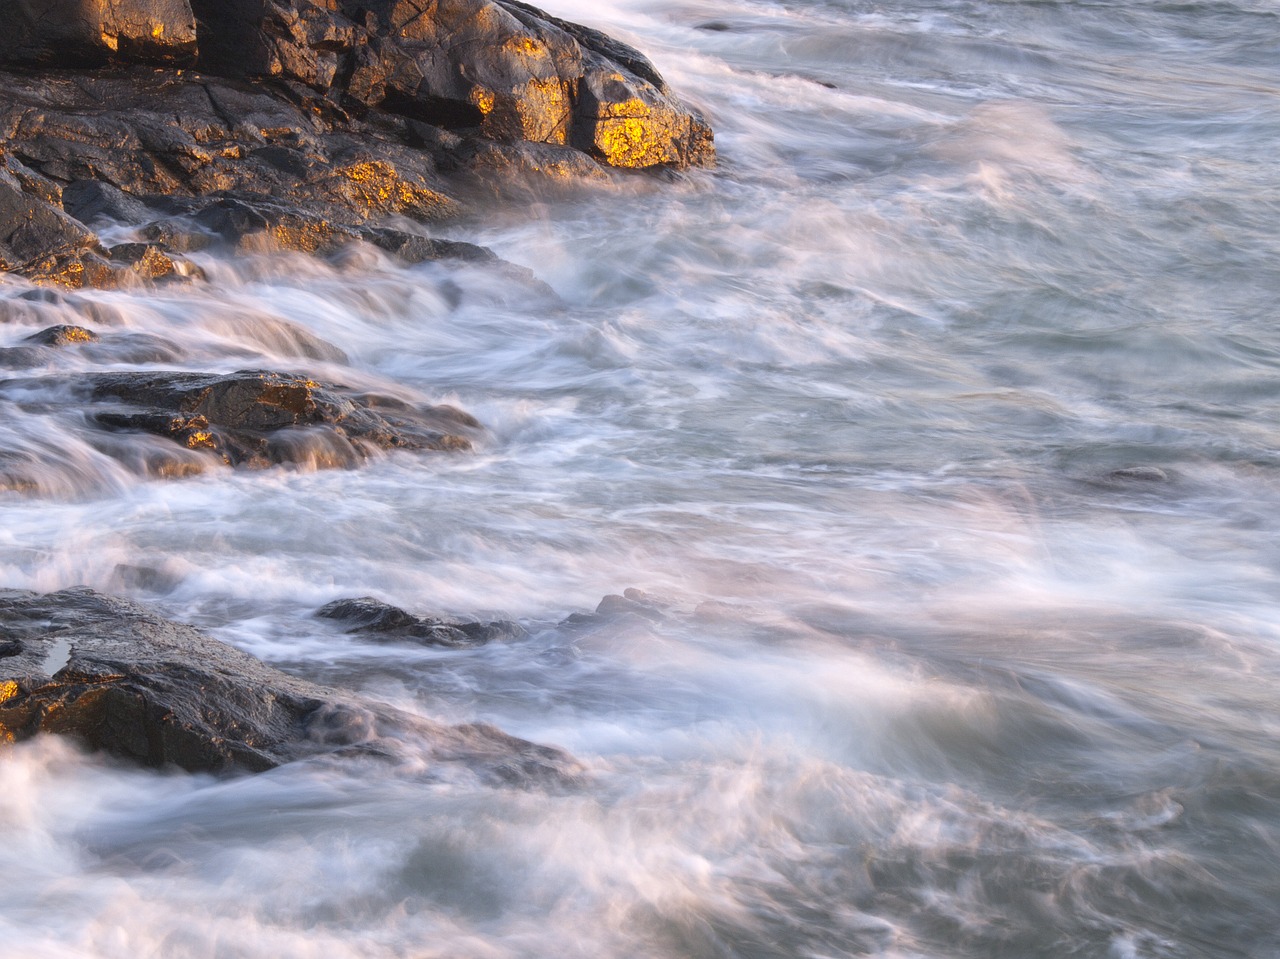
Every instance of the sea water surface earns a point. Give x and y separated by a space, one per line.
942 418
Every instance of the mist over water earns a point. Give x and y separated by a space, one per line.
943 420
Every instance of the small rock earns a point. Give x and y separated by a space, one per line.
369 615
122 680
37 239
1139 474
62 336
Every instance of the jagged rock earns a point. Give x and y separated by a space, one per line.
367 101
255 418
517 171
155 136
294 39
125 681
149 261
414 248
263 224
506 70
91 32
378 620
36 238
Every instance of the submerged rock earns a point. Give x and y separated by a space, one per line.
378 620
123 680
633 604
256 418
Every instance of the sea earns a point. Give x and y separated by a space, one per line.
938 426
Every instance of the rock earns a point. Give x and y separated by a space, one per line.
505 70
626 121
1139 474
257 419
41 346
633 604
149 261
294 39
62 336
519 171
382 621
37 239
414 248
263 224
123 680
352 110
91 201
91 32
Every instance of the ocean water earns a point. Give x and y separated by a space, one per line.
942 420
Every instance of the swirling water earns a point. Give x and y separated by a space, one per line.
943 415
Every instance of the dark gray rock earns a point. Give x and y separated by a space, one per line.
36 238
504 70
295 39
378 620
62 336
93 32
93 201
315 122
125 681
255 418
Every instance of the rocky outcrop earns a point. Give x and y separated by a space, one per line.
123 680
502 68
256 419
322 117
36 237
383 622
93 32
251 419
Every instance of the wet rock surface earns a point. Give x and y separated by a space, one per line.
92 32
171 425
256 418
305 125
135 134
126 681
382 622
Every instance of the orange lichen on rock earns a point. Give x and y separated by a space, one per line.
482 98
630 123
305 236
378 188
